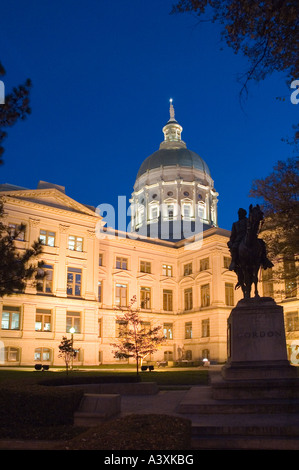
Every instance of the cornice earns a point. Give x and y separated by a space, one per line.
78 213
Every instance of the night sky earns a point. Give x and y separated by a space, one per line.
103 72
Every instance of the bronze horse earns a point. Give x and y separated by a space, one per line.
250 253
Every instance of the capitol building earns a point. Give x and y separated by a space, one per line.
174 259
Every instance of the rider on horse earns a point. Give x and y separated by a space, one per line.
238 232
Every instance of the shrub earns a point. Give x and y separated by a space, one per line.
35 405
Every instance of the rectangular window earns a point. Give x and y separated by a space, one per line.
121 263
205 295
187 269
226 262
75 243
168 330
100 292
188 330
154 211
170 211
167 300
47 238
145 297
73 320
42 354
43 320
145 267
101 259
186 210
74 280
204 264
10 318
292 321
121 295
188 299
290 279
229 294
205 328
267 279
167 270
17 231
45 284
120 328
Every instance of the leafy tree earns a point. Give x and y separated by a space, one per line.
278 193
67 351
135 339
16 266
16 108
265 31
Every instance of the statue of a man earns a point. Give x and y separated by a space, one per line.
238 232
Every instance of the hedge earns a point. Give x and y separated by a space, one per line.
25 403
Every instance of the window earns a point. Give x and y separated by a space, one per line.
73 320
11 354
100 322
145 267
168 356
75 243
188 299
205 295
292 321
43 320
154 211
204 264
187 210
205 328
145 297
45 285
100 291
267 278
10 318
226 262
47 238
120 328
167 270
145 326
121 295
167 300
229 294
187 269
206 354
168 330
169 211
101 259
42 354
17 231
290 279
121 263
74 280
188 330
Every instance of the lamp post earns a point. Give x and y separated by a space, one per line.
72 331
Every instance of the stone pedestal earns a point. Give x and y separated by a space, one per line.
256 342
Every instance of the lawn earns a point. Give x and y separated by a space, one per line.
163 377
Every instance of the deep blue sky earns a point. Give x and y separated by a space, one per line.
103 72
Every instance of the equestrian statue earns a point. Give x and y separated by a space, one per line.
248 252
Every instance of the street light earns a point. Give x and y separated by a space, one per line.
72 331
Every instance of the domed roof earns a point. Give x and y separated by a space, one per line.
181 157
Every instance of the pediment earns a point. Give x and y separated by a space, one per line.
49 198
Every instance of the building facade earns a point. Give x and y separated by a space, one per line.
175 262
